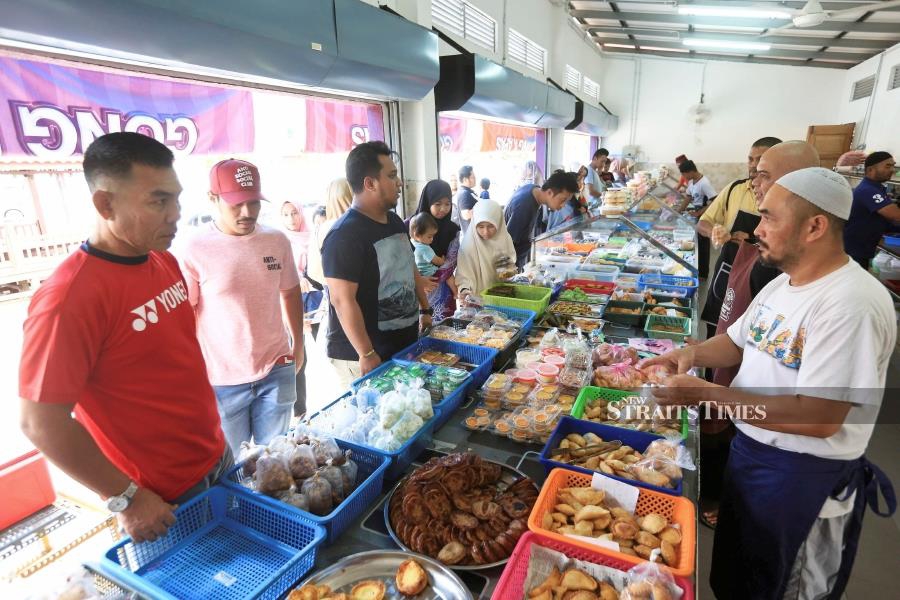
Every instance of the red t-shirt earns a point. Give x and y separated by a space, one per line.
117 338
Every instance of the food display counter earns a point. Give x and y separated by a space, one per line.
466 446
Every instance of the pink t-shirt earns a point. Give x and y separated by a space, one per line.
234 283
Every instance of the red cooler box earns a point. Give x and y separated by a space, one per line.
25 487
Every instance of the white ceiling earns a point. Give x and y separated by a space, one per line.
656 27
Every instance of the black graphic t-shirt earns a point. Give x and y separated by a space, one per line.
379 258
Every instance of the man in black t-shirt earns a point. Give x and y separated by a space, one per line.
377 297
524 208
465 197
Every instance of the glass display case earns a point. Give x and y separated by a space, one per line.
643 235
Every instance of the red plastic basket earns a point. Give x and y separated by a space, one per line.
512 582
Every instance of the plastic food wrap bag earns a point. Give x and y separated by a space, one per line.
359 431
418 400
663 463
349 470
408 425
272 475
333 475
551 339
78 586
657 374
611 354
391 408
295 498
367 398
280 444
318 492
648 581
621 376
249 454
301 461
325 449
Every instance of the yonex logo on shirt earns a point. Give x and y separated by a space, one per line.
147 312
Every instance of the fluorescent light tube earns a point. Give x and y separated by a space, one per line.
725 44
732 11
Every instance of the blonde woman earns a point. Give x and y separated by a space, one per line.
336 204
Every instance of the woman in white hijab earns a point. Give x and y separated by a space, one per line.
485 245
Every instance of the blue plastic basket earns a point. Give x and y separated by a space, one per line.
223 545
892 240
526 317
679 286
443 409
479 357
636 439
370 475
401 458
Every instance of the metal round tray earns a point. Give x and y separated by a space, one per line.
382 565
508 476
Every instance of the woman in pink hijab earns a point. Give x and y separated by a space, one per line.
295 228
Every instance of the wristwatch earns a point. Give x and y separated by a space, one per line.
426 311
119 503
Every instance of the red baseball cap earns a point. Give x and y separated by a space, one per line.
235 181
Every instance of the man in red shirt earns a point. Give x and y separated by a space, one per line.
111 336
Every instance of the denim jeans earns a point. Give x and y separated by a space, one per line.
210 479
259 410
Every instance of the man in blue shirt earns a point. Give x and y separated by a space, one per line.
873 212
524 207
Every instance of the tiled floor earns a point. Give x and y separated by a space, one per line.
876 572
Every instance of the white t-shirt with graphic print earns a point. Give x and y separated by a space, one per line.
833 339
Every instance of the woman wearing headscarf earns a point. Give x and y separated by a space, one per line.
295 228
436 199
485 245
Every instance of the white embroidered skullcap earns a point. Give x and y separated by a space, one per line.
822 187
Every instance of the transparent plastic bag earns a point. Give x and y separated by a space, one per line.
301 461
408 425
621 376
611 354
280 444
272 474
318 491
649 581
325 449
551 339
391 408
418 400
333 475
295 498
349 470
249 454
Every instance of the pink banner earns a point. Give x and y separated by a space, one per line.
334 126
55 111
451 134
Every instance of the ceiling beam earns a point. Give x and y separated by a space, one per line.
787 40
867 27
752 59
798 54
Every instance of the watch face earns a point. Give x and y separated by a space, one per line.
117 504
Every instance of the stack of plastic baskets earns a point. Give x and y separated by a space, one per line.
371 467
223 545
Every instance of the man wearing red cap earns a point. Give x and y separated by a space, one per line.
111 338
244 287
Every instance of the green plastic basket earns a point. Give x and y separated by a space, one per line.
625 319
653 320
591 393
528 297
682 311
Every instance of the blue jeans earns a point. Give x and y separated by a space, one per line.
259 410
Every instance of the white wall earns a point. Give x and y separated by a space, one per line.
746 101
881 131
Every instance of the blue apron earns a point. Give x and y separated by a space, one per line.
771 499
